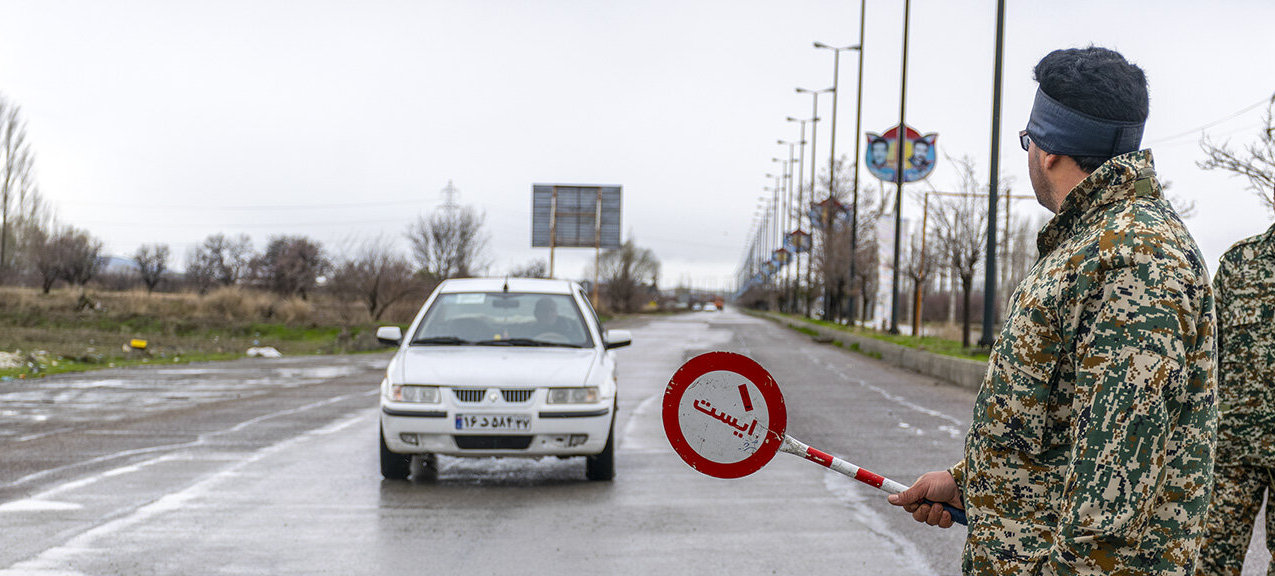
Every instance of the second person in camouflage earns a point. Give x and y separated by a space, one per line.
1245 292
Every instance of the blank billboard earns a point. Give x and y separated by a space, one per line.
580 215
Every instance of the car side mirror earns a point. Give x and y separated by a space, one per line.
389 335
613 339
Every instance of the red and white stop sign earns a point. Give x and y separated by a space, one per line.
724 414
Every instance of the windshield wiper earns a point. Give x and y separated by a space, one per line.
440 341
525 342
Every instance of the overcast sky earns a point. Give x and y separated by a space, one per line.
167 121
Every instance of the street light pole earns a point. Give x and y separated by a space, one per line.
989 288
898 172
832 161
814 139
801 199
854 213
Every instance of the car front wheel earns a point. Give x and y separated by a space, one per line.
393 466
602 465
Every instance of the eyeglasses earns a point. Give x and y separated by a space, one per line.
1024 139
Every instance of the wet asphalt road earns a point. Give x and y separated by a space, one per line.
270 467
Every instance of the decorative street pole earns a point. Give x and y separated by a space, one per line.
989 288
828 312
854 214
898 170
814 138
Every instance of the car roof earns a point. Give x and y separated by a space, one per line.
533 285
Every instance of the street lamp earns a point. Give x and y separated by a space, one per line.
814 140
789 290
801 197
832 162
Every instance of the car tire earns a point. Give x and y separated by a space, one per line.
393 466
601 466
425 467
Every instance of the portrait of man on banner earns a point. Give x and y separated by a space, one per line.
919 154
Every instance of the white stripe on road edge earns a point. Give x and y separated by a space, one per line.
888 396
848 492
203 438
53 560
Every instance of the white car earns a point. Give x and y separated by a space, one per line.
501 367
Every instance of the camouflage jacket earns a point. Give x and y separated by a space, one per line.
1245 291
1090 450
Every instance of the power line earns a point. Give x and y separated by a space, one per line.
247 207
1201 128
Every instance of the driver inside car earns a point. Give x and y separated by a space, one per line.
547 319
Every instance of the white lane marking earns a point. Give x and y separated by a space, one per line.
852 495
33 505
30 437
888 396
203 439
631 442
54 560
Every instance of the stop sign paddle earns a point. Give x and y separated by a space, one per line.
725 416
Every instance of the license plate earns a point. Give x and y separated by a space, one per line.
512 422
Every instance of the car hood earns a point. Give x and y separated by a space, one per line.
504 367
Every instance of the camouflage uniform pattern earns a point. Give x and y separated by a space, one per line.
1090 450
1245 292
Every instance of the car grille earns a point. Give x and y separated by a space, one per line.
493 442
475 395
516 396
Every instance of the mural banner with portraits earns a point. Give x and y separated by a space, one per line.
919 154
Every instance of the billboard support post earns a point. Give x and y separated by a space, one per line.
575 216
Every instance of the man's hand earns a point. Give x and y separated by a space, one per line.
935 487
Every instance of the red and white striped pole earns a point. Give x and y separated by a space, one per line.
793 446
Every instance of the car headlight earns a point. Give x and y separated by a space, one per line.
586 395
416 394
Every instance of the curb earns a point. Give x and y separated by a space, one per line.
958 371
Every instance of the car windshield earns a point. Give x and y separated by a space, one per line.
503 319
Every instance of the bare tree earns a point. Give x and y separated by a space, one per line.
832 249
874 203
627 273
961 230
44 258
918 261
1256 162
17 182
533 269
291 265
152 263
70 254
378 276
449 243
219 260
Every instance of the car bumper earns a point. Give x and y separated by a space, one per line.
553 431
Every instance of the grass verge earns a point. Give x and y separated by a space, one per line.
940 346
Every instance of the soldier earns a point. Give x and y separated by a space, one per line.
1245 292
1090 450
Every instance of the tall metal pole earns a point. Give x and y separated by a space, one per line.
854 214
916 306
801 200
828 311
814 140
989 289
898 171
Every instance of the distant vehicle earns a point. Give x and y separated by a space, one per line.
697 306
710 307
501 367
